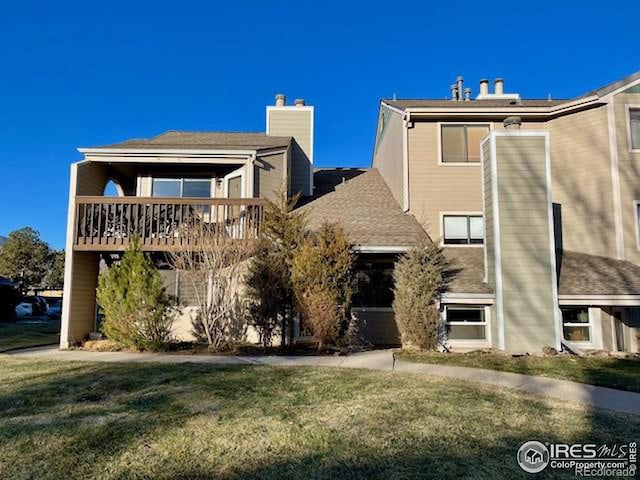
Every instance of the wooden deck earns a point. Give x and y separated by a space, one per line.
162 224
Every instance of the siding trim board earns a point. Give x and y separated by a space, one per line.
615 180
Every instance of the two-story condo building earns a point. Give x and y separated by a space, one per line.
536 204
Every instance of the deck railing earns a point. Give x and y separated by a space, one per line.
107 223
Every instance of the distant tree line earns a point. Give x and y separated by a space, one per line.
30 262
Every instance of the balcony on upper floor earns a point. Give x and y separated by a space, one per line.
162 223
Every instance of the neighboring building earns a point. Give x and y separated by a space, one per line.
536 204
210 179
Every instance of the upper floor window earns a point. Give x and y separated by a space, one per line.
634 128
461 143
181 187
463 229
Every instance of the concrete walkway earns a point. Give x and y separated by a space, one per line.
607 398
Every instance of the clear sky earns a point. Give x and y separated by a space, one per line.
87 73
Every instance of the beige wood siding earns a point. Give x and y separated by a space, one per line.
92 178
296 123
528 298
629 171
269 175
489 240
435 188
388 157
82 305
581 177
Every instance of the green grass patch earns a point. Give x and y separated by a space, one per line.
145 420
24 335
612 372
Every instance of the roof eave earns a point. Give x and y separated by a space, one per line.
166 152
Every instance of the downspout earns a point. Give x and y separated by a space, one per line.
406 121
251 165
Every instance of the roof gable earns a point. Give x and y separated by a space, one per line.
366 209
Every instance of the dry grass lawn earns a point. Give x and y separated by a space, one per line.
129 421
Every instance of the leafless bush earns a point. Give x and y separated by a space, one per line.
213 265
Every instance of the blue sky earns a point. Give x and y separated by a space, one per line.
89 73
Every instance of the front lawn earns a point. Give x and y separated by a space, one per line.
603 371
23 335
145 420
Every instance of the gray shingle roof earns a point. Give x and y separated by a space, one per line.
612 86
466 270
368 212
580 273
207 140
425 103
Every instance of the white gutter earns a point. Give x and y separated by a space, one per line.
164 152
511 110
381 249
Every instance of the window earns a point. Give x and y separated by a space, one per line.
374 283
575 324
465 323
463 229
461 143
181 187
634 128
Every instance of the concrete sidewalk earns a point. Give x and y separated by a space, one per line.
607 398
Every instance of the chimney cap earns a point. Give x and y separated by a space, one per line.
281 99
512 123
299 102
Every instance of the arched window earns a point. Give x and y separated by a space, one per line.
112 189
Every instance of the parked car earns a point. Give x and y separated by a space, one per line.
24 309
39 305
55 309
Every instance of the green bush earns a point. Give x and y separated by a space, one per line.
268 281
136 307
419 280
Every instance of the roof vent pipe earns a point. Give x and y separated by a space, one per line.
484 87
454 92
467 94
460 82
281 99
299 102
499 86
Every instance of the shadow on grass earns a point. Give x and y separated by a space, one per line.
147 421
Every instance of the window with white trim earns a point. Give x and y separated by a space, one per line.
181 187
461 143
634 128
465 323
463 229
576 324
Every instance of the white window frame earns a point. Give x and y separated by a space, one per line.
636 205
627 109
461 214
236 173
458 164
212 183
486 324
589 324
